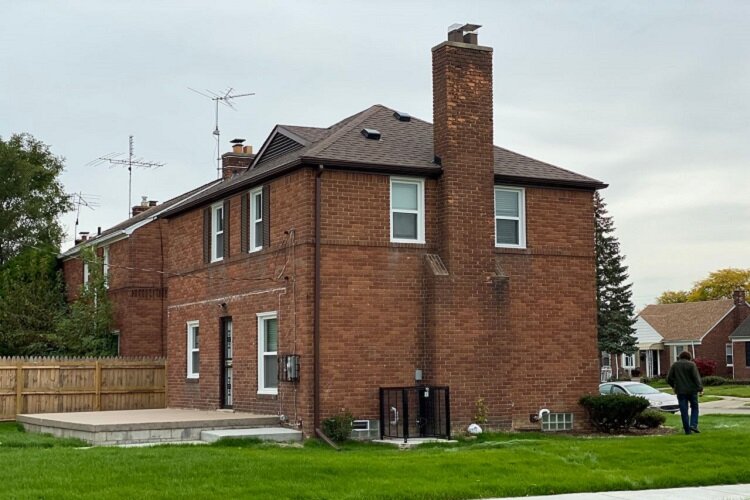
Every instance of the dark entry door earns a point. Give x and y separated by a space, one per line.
226 362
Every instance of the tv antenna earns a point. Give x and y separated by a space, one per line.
91 201
226 99
130 162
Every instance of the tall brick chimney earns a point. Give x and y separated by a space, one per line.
238 160
463 326
462 116
739 297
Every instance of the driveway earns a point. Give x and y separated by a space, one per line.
728 405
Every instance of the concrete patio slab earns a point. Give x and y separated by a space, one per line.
279 434
140 426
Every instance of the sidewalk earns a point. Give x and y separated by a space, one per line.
728 492
728 406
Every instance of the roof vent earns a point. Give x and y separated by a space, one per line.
371 133
401 116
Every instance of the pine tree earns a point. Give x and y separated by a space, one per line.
615 316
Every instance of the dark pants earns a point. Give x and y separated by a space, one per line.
683 400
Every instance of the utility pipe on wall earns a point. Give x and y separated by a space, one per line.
316 306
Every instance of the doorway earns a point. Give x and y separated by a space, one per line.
226 362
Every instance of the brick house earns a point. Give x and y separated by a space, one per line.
740 339
385 251
663 331
132 257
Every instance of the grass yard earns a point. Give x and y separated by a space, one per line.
739 391
495 465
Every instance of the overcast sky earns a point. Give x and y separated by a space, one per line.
651 97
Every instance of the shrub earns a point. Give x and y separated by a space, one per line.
650 419
613 412
712 380
706 367
339 427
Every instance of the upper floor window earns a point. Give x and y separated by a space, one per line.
85 272
256 219
407 210
193 350
510 217
217 231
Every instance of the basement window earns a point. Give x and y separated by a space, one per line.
552 422
407 210
510 217
193 349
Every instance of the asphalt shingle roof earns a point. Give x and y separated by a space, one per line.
742 331
687 320
404 146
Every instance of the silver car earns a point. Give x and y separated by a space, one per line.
657 400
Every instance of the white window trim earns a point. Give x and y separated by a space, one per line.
420 208
262 317
214 233
521 217
253 217
105 265
628 365
730 353
190 350
85 272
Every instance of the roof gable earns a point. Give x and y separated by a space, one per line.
688 320
646 334
742 331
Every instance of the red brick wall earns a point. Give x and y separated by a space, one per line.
278 278
136 289
741 368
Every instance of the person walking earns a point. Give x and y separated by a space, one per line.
684 378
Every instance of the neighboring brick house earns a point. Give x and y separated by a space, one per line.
382 258
740 339
132 257
663 331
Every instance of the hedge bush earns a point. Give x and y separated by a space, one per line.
613 412
650 419
712 380
339 427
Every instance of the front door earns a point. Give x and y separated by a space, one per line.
226 362
652 363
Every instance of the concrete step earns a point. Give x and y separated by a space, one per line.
281 434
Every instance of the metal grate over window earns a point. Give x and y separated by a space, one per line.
557 422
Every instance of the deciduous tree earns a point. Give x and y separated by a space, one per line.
717 285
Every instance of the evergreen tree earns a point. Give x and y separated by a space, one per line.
616 312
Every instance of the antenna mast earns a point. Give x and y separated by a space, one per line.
131 161
226 99
91 201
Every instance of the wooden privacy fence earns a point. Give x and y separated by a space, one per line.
55 385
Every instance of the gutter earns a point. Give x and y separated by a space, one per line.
316 306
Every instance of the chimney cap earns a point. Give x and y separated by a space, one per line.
237 141
463 28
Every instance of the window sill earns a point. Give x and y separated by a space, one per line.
268 392
192 380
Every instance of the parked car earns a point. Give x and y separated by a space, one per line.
657 399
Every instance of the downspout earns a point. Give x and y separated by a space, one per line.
316 307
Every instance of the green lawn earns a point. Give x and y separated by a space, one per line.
494 465
739 391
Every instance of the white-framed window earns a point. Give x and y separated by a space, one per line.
105 265
85 272
256 219
730 354
407 210
268 344
193 349
217 231
628 361
510 217
677 349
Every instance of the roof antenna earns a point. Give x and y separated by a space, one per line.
226 99
131 161
91 201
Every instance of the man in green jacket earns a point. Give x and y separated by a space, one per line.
684 378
